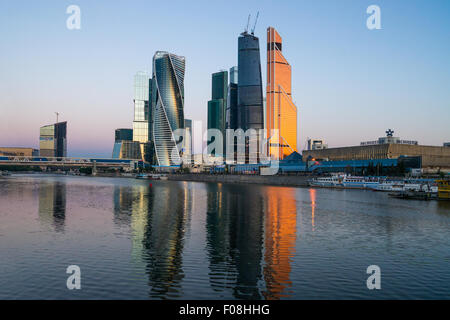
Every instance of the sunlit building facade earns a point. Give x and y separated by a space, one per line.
53 140
167 106
281 112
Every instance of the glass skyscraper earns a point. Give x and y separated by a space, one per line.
53 140
218 103
231 113
167 114
142 98
249 93
281 112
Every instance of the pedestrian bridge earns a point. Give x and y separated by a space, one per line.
69 162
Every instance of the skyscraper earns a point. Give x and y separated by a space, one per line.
231 112
281 112
142 98
53 140
218 103
167 106
249 95
125 147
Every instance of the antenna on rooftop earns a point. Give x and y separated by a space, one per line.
254 26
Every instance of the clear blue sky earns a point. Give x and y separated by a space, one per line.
349 83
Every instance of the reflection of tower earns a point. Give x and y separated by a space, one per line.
123 199
234 240
312 194
280 233
52 204
163 238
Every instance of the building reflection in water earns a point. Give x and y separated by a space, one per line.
241 225
279 240
312 195
234 240
52 204
159 217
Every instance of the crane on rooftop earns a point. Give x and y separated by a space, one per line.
254 26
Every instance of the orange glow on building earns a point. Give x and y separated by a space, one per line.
281 112
280 237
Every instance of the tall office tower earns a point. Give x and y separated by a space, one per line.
281 112
142 98
53 140
231 112
250 96
167 106
218 103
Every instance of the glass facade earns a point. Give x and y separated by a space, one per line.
249 94
126 149
142 110
281 112
234 75
123 134
53 140
250 97
167 106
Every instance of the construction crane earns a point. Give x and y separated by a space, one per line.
254 26
248 22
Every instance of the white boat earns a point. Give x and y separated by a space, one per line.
345 181
326 182
390 186
151 176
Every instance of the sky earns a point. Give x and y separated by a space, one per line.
350 84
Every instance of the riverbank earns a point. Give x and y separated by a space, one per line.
288 181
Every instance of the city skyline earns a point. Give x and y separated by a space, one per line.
349 83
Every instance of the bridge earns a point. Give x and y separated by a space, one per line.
70 162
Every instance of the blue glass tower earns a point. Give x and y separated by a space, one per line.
167 113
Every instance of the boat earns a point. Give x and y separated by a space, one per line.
151 176
387 185
326 182
412 194
345 181
443 189
142 176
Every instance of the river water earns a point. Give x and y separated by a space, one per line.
190 240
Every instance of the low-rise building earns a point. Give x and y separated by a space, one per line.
18 152
433 157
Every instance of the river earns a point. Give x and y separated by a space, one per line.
135 239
